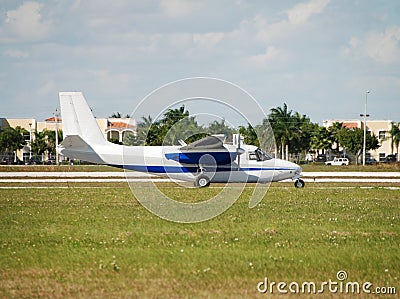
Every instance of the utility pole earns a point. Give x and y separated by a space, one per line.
30 141
56 120
365 115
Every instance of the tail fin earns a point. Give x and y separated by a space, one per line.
80 129
78 119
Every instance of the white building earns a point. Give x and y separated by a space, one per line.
112 128
380 128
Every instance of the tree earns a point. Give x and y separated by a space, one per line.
395 137
321 139
302 130
286 127
352 139
174 125
159 130
334 132
260 135
45 142
50 137
12 139
219 128
249 134
129 139
118 115
143 128
39 144
186 129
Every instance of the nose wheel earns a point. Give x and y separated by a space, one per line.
299 183
202 181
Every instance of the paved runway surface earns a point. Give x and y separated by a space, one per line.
105 177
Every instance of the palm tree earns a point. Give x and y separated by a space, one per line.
39 144
12 139
284 127
334 132
219 128
321 140
395 137
143 131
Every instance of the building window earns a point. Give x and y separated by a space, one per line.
382 135
382 157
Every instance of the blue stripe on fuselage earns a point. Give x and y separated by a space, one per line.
191 169
218 158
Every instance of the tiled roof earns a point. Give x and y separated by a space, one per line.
121 125
350 125
53 119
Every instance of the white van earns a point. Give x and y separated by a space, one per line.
338 161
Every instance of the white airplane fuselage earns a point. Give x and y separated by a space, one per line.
224 163
152 159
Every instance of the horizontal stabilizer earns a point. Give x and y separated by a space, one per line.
75 147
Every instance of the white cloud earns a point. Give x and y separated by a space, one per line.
47 88
180 40
271 55
382 47
26 21
14 53
179 8
303 11
208 40
108 78
296 18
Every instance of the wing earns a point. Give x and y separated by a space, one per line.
206 143
209 150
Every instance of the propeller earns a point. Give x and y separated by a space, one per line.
239 150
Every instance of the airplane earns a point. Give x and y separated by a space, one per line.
205 161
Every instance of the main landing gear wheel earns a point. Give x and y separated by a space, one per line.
202 181
299 183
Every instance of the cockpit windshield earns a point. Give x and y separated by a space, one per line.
259 155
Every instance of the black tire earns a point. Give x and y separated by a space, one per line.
299 183
202 181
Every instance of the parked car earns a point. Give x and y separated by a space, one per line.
34 161
338 161
50 161
370 161
391 158
320 158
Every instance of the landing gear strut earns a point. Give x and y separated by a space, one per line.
299 183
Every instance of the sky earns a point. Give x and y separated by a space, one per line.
320 57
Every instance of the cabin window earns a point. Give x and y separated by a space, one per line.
253 156
259 155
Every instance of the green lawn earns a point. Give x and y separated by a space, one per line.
100 242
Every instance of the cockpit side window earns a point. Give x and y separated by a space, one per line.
253 156
259 155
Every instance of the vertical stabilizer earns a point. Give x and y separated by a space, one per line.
78 119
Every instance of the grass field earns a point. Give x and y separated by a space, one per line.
100 242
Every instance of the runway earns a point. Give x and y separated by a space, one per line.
120 177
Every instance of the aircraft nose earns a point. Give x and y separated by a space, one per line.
298 170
